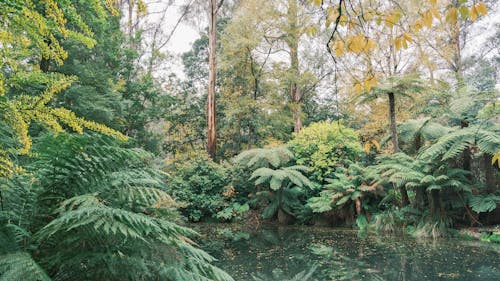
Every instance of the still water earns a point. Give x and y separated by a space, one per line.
311 253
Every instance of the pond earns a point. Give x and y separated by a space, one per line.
312 253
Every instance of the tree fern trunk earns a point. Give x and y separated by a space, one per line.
420 199
405 200
489 174
435 201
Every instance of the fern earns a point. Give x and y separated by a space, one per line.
21 266
452 145
86 216
265 157
482 204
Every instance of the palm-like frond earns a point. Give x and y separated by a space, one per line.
277 178
452 145
264 157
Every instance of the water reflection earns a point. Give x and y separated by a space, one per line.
307 253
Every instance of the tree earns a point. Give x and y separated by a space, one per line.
30 40
212 43
404 87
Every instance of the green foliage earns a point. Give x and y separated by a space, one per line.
235 211
415 133
453 144
286 186
264 157
93 210
32 34
348 186
484 203
324 146
199 185
272 167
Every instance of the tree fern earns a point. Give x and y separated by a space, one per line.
285 182
452 145
264 157
91 214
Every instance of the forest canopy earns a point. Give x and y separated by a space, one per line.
380 115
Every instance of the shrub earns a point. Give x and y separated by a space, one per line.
323 146
199 185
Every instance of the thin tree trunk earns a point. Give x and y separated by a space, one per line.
405 200
293 45
392 116
211 121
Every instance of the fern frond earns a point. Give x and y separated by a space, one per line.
21 266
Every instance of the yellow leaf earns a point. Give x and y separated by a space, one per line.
343 20
417 26
317 2
370 45
367 147
339 48
435 13
357 88
433 2
332 14
473 13
464 12
373 81
496 158
397 43
377 145
367 85
452 16
355 44
407 37
404 43
427 19
481 8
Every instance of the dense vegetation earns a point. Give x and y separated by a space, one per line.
375 115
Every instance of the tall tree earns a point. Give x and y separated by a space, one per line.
212 43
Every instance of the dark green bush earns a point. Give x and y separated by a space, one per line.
199 186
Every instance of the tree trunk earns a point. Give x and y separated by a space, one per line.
420 199
435 202
211 121
489 174
405 200
393 125
292 41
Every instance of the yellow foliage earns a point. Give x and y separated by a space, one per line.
369 144
464 12
427 19
357 88
496 158
392 19
369 83
473 13
481 8
452 15
339 48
